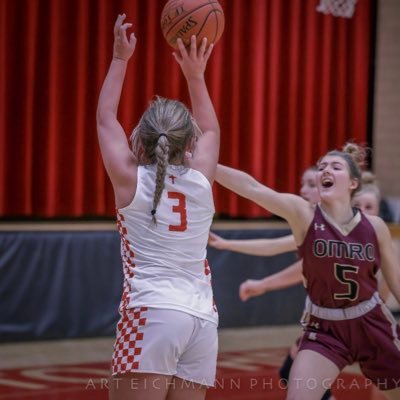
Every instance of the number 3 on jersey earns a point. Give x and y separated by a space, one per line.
179 208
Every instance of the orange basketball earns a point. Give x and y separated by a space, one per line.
184 18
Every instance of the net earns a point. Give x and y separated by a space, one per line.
338 8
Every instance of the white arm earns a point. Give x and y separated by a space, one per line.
289 276
255 247
193 65
294 209
118 159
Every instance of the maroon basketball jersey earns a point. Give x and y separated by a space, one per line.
339 266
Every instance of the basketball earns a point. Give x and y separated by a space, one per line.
184 18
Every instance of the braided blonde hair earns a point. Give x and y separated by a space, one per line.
165 131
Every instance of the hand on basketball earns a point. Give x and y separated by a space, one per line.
194 61
123 47
251 288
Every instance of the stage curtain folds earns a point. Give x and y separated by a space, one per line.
288 84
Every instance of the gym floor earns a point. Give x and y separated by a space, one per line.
248 364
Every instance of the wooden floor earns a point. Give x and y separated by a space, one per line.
248 363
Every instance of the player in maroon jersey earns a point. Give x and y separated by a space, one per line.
290 276
342 249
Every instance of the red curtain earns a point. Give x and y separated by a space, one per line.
288 84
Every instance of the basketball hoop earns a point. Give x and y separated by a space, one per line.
338 8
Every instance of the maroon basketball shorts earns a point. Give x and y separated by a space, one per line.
372 339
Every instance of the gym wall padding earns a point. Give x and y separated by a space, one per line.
69 284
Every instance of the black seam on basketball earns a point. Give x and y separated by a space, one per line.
191 12
217 24
214 12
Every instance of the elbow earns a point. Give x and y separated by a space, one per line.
99 114
104 116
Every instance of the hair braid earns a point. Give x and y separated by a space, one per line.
164 133
161 153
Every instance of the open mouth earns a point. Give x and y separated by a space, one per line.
327 182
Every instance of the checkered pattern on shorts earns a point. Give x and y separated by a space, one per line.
127 345
207 272
128 264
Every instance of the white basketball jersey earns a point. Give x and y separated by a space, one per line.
165 265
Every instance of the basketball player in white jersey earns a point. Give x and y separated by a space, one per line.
166 344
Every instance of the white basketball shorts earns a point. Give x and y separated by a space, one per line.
166 342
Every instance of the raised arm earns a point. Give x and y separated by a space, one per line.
289 276
118 159
254 247
193 65
294 209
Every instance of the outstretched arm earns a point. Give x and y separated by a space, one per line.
193 65
254 247
118 159
294 209
289 276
